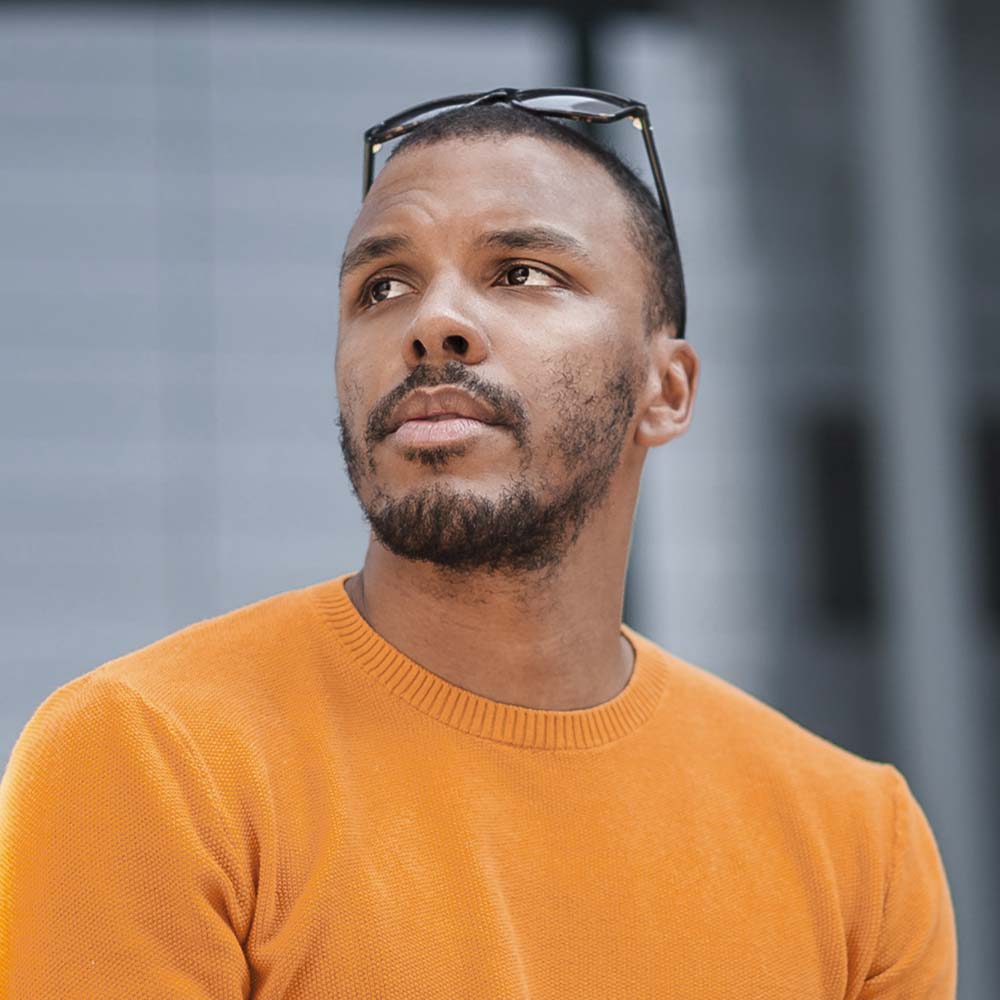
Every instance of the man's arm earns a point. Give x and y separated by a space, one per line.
117 876
917 953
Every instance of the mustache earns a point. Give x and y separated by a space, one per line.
509 409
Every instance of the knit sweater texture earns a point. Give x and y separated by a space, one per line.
276 803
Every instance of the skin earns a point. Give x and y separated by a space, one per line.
553 635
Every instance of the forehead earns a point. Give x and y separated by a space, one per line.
459 187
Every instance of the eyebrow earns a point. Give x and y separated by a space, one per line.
373 248
536 238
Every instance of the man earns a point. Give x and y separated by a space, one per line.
456 773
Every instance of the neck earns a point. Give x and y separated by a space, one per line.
545 640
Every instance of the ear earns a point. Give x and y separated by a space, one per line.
673 380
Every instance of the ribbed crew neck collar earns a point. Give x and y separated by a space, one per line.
531 728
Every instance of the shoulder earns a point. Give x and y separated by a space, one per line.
762 752
205 707
211 685
846 829
216 653
229 667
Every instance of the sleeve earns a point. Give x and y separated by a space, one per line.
117 878
917 952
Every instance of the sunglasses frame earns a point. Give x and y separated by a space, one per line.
406 121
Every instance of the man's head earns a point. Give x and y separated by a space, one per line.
515 260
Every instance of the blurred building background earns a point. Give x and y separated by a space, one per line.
175 187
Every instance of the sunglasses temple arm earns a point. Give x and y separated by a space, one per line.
661 187
367 169
661 190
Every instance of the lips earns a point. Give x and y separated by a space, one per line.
441 404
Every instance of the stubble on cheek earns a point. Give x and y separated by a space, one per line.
567 399
592 416
351 403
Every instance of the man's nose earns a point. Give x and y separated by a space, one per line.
444 328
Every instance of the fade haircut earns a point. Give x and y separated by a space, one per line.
647 228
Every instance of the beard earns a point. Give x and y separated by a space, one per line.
526 527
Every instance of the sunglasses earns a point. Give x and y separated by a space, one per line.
573 103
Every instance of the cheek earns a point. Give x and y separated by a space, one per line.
567 395
351 393
355 373
571 381
585 397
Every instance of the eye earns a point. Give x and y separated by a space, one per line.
524 274
382 289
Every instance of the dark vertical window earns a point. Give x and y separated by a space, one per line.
838 517
986 540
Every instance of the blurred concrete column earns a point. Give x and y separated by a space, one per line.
700 556
913 316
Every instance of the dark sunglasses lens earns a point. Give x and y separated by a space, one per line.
575 103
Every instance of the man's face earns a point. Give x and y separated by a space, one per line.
502 268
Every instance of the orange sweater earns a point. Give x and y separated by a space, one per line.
276 803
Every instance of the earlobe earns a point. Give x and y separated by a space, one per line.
673 380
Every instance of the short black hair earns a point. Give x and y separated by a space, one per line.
665 300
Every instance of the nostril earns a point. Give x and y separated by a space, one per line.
419 348
458 344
